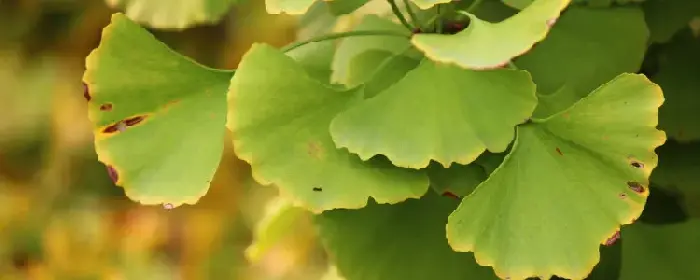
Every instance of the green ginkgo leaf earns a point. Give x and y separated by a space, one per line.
342 7
612 44
279 117
378 70
158 116
485 45
365 245
666 17
660 251
678 76
281 221
438 112
678 172
350 47
458 180
292 7
550 104
568 184
316 58
174 14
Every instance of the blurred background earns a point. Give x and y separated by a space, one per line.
60 215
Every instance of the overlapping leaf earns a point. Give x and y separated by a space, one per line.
280 117
666 17
174 13
351 47
678 172
158 117
583 53
678 76
403 242
568 184
661 252
438 112
485 45
378 70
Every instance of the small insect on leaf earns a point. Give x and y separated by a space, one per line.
317 189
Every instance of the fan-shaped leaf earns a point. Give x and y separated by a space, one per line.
661 252
584 53
678 76
438 112
485 45
351 47
280 117
176 14
365 245
568 184
158 117
666 17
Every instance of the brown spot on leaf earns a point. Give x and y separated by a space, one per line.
559 152
112 174
612 239
106 107
86 92
134 121
637 164
636 187
119 126
450 194
623 195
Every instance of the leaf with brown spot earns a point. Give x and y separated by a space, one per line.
564 207
159 153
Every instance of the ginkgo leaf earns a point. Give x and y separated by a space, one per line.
342 7
660 251
485 45
158 116
281 223
678 172
316 58
568 184
279 118
350 47
438 112
550 104
364 243
174 14
378 70
612 44
666 17
458 180
677 75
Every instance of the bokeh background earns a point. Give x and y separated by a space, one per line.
60 215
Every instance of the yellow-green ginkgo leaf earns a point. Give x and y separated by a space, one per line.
279 117
174 14
569 183
158 117
438 112
485 45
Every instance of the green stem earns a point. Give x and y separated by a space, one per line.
412 15
399 15
473 6
334 36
